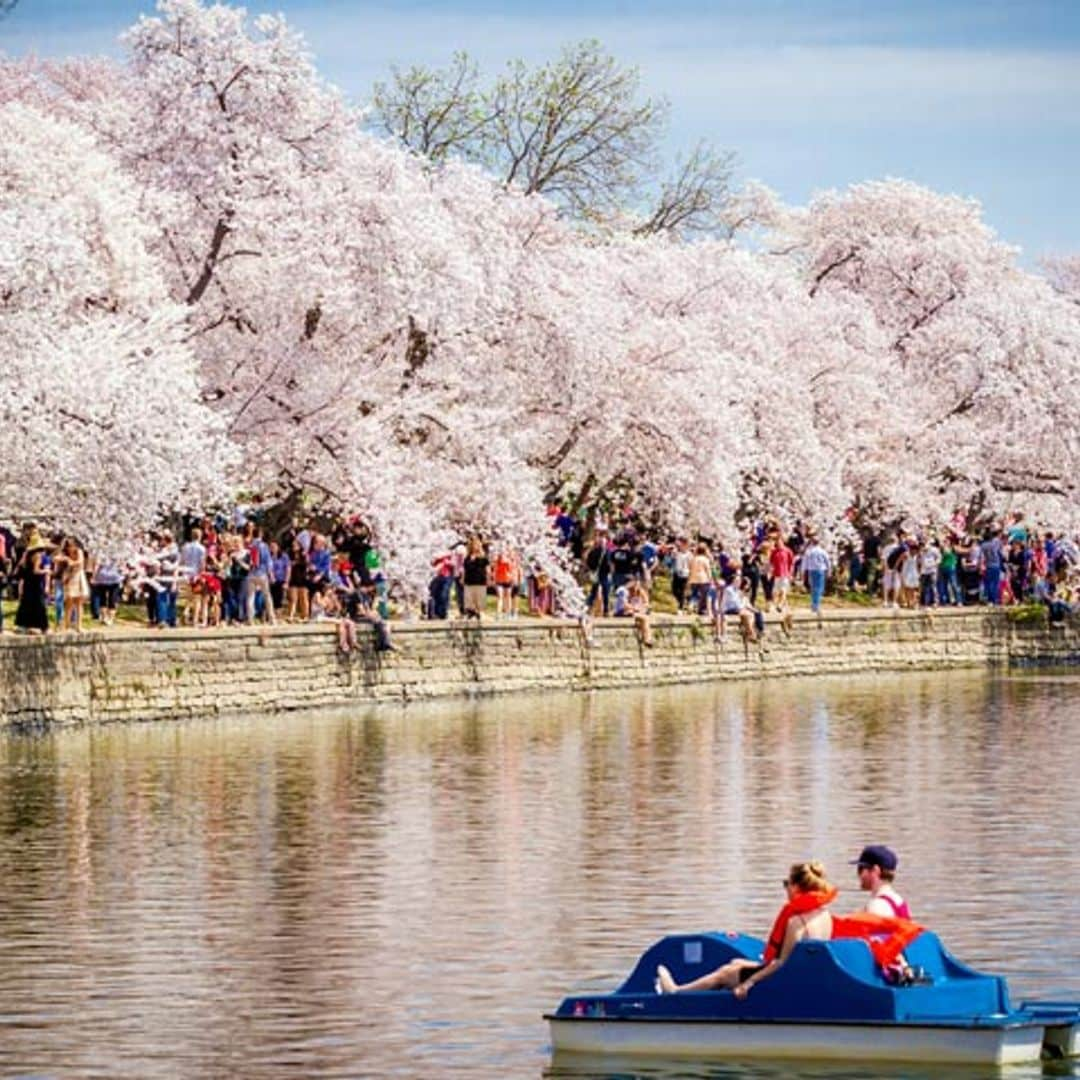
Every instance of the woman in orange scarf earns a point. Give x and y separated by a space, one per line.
805 915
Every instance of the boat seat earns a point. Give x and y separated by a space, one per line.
687 956
843 975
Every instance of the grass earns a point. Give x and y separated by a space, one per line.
126 615
851 598
662 602
1028 614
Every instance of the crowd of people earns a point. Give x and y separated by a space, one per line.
1005 564
1010 563
232 569
221 572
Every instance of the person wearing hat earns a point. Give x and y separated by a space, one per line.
31 572
876 867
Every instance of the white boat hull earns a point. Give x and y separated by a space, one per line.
1063 1040
851 1042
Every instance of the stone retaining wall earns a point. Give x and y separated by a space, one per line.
146 675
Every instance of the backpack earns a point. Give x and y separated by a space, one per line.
596 558
238 567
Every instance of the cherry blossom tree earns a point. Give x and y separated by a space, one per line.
1063 272
442 353
101 427
978 359
334 303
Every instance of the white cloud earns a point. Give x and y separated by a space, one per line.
808 98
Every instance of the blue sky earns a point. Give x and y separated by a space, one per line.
978 98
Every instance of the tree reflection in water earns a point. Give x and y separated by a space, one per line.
407 890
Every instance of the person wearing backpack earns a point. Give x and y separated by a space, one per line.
598 563
893 555
257 582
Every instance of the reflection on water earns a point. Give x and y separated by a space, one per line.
403 893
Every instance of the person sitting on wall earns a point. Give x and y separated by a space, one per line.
637 608
735 604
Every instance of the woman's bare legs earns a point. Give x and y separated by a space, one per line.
346 633
723 978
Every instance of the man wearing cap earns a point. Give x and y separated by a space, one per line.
876 867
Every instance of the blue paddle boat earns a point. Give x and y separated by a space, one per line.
829 1000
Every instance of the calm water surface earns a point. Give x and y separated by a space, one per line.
403 893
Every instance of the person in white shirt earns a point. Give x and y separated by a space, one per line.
909 576
167 560
637 606
734 603
891 557
929 561
192 566
815 565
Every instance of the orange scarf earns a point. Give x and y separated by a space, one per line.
886 935
802 904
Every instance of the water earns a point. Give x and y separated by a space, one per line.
404 892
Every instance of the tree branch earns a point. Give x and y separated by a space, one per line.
221 231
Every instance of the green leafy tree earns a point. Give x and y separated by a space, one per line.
435 113
576 129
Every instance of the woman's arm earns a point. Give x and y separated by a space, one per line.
792 936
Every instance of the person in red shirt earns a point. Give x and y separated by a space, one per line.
782 564
505 574
440 585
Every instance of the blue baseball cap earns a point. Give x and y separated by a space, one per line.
877 855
